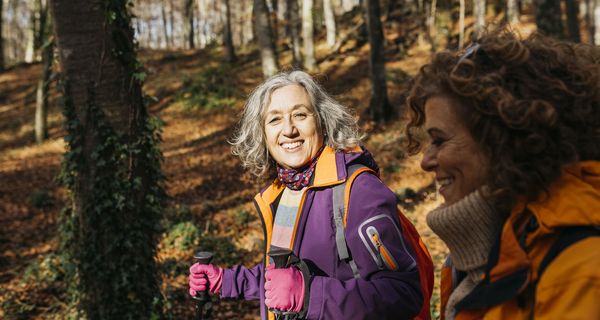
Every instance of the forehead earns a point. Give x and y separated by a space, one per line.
442 112
288 97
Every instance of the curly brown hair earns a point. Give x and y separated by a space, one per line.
532 105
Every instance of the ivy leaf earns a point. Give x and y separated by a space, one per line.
140 76
112 16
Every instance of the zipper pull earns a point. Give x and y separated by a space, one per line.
374 237
384 257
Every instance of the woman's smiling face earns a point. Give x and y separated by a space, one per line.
291 129
459 163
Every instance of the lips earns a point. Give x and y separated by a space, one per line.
443 183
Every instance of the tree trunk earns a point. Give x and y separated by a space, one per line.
163 15
171 22
248 23
47 56
391 6
265 38
31 34
189 23
1 38
479 11
548 18
572 20
461 25
308 30
348 5
275 20
379 105
41 8
38 36
329 22
596 16
294 31
41 104
431 29
112 163
512 11
589 19
203 18
338 10
227 39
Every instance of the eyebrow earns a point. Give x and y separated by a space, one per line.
295 107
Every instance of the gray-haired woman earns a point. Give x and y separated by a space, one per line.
291 125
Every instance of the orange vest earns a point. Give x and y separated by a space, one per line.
570 286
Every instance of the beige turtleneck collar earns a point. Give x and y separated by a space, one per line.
469 229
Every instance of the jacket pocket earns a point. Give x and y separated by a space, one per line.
385 243
384 256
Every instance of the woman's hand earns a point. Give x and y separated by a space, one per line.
284 289
203 276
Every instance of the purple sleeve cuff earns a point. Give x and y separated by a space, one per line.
315 304
240 282
227 284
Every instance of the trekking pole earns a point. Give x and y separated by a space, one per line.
280 258
202 298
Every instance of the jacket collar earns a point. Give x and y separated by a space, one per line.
331 167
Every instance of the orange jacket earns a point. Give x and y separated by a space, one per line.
570 286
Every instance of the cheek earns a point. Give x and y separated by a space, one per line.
270 133
446 158
271 138
458 161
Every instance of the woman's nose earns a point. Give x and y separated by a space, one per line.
289 129
429 161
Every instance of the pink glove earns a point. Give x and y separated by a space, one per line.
203 274
284 289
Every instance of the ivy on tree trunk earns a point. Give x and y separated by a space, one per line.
112 164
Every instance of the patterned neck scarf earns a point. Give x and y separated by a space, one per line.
297 179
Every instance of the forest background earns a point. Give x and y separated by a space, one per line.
115 116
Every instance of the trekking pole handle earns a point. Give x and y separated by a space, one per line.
202 257
280 257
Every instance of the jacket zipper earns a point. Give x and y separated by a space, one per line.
383 254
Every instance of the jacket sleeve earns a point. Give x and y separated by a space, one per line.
240 282
388 287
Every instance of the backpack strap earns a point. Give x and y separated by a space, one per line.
339 215
567 237
487 294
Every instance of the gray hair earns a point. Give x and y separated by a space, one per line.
335 122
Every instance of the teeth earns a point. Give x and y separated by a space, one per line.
445 182
291 145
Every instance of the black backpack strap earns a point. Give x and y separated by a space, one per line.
567 237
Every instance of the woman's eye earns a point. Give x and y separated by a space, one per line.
300 115
437 141
273 120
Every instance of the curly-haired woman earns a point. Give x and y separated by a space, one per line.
515 148
357 267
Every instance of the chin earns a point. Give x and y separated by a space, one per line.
449 201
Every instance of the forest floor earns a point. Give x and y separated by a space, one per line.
199 97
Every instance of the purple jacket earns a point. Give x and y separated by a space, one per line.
335 293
